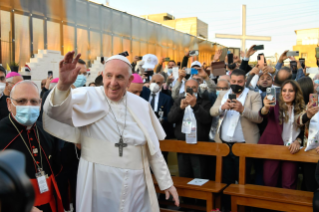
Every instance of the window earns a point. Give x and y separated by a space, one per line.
304 55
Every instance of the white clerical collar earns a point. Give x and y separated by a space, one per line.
122 100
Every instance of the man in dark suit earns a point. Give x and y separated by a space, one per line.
160 102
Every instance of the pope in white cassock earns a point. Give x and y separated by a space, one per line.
119 135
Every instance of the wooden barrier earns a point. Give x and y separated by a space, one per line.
269 197
211 190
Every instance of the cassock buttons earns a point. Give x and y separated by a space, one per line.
38 162
31 139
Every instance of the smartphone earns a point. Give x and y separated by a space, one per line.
313 99
223 55
302 62
261 60
259 47
190 91
271 95
167 59
293 66
50 74
230 58
293 53
124 54
317 52
193 53
140 57
232 96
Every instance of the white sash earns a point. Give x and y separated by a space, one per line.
234 115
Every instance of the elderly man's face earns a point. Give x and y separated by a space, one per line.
191 84
198 79
116 79
222 85
24 94
136 88
158 79
2 77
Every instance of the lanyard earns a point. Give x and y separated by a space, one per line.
39 168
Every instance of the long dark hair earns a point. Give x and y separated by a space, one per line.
306 86
298 102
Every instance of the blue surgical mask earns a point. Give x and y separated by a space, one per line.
27 115
169 71
80 81
316 81
217 93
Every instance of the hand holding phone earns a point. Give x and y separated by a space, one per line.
190 91
50 74
232 97
270 96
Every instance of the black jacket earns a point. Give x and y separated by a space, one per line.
203 118
4 112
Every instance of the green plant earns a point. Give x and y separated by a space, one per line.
14 64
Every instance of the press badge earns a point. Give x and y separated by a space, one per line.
42 182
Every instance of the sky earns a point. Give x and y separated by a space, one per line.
278 19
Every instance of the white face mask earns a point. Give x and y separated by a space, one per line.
154 87
2 87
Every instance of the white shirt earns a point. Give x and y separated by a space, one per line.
238 135
156 100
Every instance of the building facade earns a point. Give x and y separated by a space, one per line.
307 41
88 28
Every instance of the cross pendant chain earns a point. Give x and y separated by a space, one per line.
121 145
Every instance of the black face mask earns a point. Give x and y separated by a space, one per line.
237 88
263 89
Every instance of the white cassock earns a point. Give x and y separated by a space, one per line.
106 181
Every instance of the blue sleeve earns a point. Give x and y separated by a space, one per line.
278 66
300 74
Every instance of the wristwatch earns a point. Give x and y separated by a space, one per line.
299 140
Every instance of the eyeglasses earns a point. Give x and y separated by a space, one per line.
222 88
22 101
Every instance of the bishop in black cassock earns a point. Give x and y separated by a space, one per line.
33 136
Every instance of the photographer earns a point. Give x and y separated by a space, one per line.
191 165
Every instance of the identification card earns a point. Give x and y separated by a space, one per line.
35 151
42 182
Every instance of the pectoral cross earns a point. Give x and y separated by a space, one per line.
120 145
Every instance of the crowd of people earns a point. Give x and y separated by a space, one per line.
61 129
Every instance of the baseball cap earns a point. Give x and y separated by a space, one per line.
150 61
196 63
